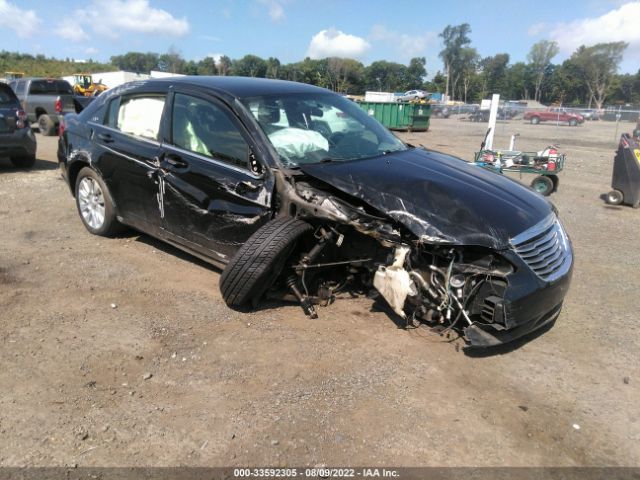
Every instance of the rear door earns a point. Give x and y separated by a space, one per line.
214 192
128 145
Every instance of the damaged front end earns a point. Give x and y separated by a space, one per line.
489 296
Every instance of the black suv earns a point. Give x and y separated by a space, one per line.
16 138
299 195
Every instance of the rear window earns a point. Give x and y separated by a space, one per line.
49 87
7 97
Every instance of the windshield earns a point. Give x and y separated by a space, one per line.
320 127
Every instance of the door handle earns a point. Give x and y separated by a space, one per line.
105 137
247 186
175 161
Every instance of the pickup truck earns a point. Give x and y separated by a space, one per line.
46 101
554 115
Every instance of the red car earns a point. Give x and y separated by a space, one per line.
554 115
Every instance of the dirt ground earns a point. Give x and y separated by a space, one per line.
121 352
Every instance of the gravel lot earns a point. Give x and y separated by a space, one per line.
121 351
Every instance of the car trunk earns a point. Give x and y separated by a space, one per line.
7 120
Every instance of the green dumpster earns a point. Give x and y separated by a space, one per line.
413 117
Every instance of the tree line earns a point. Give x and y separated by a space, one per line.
41 66
589 77
342 75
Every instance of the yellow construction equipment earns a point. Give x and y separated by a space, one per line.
83 84
9 76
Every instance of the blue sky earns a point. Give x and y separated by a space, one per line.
292 29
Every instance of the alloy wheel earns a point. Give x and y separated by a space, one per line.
91 202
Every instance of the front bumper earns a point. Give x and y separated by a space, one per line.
529 303
20 143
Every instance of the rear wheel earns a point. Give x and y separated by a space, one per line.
543 185
257 264
94 204
535 120
47 125
615 197
23 162
556 182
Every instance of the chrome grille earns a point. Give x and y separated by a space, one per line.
545 248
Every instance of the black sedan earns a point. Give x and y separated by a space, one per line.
300 195
16 138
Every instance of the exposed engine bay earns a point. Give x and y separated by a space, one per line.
356 249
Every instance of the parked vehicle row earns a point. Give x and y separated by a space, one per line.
298 194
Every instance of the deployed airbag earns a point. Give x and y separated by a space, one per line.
296 142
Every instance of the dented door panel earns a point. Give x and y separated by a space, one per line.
211 207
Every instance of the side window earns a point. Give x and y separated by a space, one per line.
111 118
202 127
140 115
43 87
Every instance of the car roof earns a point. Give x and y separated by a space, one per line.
240 87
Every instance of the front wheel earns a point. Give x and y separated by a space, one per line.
535 120
573 122
543 185
96 209
615 197
260 260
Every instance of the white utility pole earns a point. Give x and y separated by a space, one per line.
493 116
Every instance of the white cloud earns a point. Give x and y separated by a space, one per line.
275 8
23 22
113 18
334 43
90 50
407 45
620 24
69 29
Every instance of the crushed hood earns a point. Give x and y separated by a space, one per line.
439 198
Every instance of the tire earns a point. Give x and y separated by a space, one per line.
615 197
47 125
556 182
257 264
91 188
535 120
543 185
23 162
573 122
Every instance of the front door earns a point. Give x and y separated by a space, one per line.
214 194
